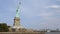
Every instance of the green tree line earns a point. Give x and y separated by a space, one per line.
3 27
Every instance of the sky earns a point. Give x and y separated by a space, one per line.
34 14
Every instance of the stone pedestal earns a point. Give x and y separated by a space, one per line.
16 21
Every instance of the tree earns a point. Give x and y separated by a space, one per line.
3 27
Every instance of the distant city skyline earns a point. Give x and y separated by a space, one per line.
35 14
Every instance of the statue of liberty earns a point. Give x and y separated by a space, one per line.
17 18
17 10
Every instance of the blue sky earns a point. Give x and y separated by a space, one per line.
35 14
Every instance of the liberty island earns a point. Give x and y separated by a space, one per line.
17 26
18 29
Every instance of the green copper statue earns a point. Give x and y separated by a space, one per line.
17 11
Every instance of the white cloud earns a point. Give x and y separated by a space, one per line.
46 16
58 0
53 6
